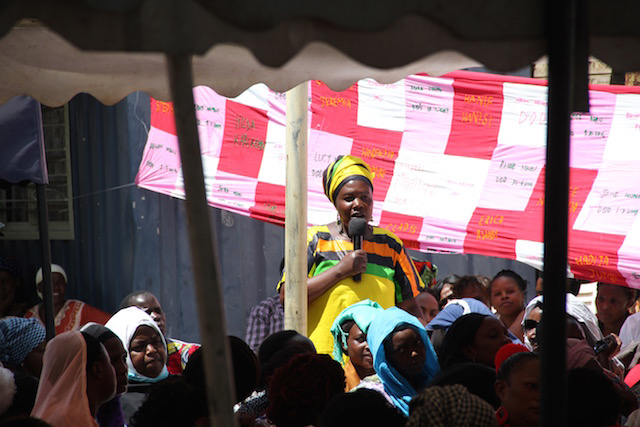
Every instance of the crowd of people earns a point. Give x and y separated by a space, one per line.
387 344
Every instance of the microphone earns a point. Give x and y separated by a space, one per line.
357 227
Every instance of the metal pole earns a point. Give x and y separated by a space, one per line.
561 23
220 387
295 229
45 249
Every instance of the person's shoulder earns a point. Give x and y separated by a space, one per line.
268 304
383 233
91 313
318 229
32 312
182 345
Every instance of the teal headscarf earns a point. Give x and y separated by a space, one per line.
362 313
396 386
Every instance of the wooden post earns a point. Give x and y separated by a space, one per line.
295 231
213 331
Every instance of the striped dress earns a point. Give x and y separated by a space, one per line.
390 278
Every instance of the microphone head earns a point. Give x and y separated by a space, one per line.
357 226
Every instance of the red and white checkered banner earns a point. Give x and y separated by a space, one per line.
459 163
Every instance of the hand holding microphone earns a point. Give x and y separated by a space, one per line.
357 228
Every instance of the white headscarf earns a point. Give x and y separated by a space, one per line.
630 331
62 393
124 324
575 308
55 268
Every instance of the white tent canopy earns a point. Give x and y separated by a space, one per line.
36 61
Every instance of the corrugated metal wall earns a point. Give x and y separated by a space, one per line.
129 238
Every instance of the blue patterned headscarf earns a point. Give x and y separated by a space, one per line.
396 386
362 313
18 338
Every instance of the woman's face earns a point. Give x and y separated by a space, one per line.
446 293
118 358
107 380
354 200
506 296
613 304
429 306
490 336
408 353
59 288
520 394
147 352
358 349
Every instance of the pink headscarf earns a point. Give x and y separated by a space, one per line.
580 354
62 394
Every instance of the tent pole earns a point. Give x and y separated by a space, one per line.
295 303
561 21
45 250
206 269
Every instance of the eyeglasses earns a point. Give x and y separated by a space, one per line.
529 324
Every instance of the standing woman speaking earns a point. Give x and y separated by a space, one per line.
383 270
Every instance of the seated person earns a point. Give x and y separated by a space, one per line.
428 302
245 364
265 319
476 378
575 308
507 290
474 337
449 406
14 300
70 314
613 303
77 378
22 344
471 287
403 357
173 402
110 413
518 387
178 351
455 309
349 332
361 407
276 351
146 355
444 289
300 390
589 388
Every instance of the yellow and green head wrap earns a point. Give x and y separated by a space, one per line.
343 170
